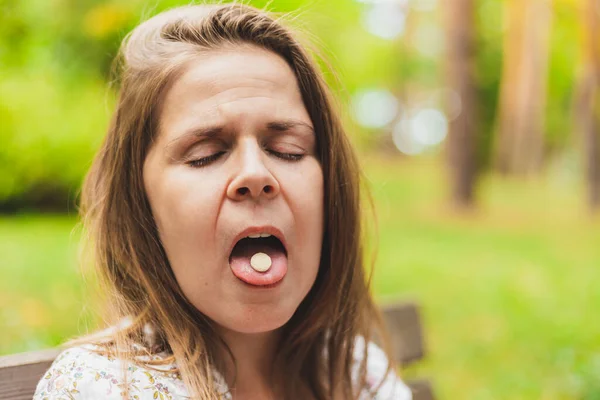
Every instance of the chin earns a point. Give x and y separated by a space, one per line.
257 319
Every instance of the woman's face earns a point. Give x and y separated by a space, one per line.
235 156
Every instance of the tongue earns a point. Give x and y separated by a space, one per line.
239 261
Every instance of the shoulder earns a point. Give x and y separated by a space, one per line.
82 373
380 384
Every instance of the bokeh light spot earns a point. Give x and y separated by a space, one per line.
375 108
386 20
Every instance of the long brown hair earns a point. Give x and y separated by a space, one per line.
127 251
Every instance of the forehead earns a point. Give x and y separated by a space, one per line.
236 85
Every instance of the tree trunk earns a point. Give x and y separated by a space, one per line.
519 146
462 137
589 112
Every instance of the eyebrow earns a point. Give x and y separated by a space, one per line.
213 131
282 126
202 131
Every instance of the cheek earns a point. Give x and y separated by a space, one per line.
310 197
185 209
306 195
180 201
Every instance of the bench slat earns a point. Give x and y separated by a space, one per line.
404 325
20 373
421 389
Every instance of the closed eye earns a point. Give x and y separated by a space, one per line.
201 162
287 156
204 161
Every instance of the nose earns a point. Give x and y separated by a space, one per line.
253 179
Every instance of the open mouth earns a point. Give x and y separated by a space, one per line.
251 246
270 250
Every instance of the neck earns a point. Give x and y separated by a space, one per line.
251 377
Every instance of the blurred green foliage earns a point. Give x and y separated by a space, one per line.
55 63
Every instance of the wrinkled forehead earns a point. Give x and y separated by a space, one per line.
237 87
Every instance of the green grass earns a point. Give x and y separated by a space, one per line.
509 293
42 294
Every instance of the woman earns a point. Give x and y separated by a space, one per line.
224 211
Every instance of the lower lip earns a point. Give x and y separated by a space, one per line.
261 287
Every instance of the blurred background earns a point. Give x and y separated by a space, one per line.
477 124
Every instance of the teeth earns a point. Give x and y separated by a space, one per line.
259 235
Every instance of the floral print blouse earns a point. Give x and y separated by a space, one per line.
80 373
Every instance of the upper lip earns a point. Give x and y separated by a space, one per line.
252 230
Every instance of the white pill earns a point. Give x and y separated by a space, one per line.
260 262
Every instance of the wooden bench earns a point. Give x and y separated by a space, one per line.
404 324
20 373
